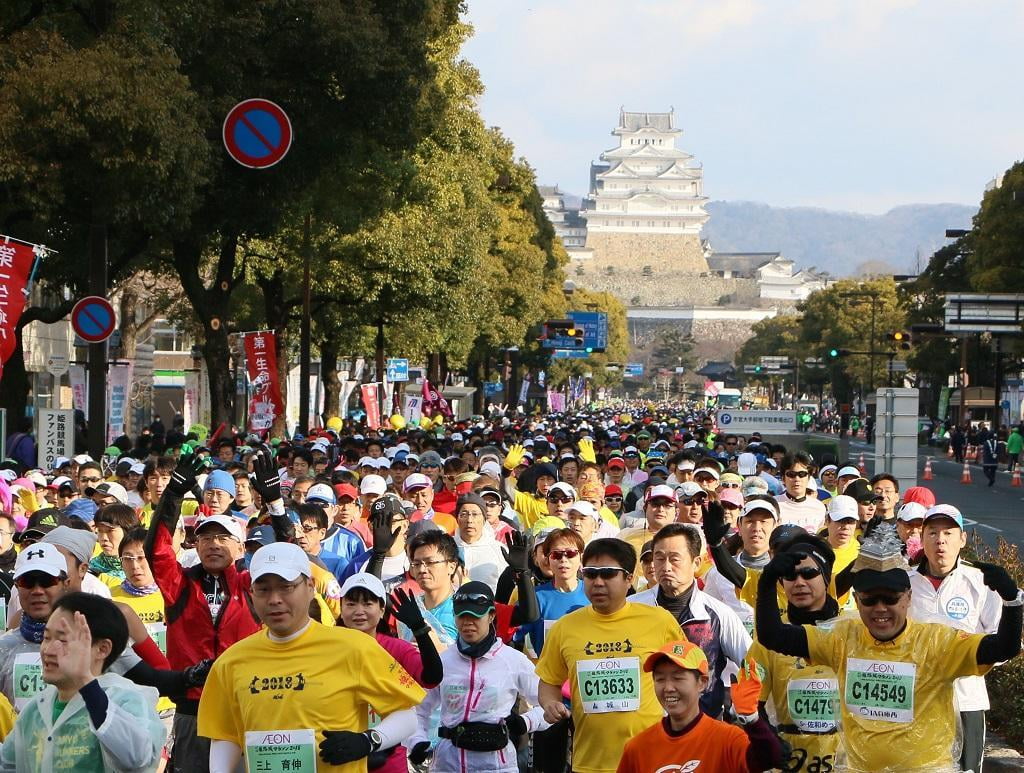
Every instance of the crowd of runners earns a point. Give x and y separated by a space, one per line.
620 589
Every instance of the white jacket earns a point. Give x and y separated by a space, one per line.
483 689
964 602
484 560
130 738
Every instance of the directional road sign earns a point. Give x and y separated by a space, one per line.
397 369
93 319
257 133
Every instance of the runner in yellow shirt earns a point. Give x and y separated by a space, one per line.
301 691
599 650
895 675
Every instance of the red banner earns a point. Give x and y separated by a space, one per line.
371 405
261 362
15 268
434 402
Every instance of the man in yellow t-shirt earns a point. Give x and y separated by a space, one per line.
301 691
600 650
895 675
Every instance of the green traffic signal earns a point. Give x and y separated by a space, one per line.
833 352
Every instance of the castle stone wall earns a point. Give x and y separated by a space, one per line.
633 251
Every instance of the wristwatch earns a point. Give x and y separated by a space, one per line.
747 719
1017 602
375 740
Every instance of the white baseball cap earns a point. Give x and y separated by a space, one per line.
585 508
375 484
563 488
367 461
686 464
708 471
321 492
842 508
59 462
660 492
755 505
109 489
456 437
848 472
40 557
60 480
492 469
912 511
138 468
230 523
414 481
383 463
368 582
285 559
746 464
81 459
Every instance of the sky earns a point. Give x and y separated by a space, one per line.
860 105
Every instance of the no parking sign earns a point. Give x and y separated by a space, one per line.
257 133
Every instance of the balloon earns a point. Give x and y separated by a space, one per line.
335 423
625 418
397 421
438 419
426 422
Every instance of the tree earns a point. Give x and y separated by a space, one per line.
672 348
995 262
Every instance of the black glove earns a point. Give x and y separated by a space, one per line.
382 513
783 566
517 556
516 727
377 759
265 479
183 479
714 524
341 746
195 676
998 579
405 608
419 753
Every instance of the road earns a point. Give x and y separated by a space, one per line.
992 512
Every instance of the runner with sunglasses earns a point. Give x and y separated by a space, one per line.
896 675
599 649
804 697
796 505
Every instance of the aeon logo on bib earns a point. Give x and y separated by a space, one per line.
686 767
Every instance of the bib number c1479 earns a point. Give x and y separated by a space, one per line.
882 690
812 703
276 751
610 684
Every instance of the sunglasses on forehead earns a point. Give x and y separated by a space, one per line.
471 598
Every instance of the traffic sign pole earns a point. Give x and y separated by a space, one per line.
98 351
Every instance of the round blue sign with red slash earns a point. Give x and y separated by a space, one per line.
257 133
93 319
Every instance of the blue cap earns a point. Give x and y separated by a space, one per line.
220 479
84 509
945 511
261 534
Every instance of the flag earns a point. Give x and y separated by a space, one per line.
16 260
371 405
265 404
434 402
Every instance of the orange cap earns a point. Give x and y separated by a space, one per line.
684 654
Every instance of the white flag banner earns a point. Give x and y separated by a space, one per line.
119 378
413 410
79 389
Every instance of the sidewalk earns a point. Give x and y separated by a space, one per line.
1000 757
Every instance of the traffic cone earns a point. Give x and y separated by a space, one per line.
862 467
1015 480
965 477
927 469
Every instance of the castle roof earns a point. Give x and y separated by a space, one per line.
632 122
740 263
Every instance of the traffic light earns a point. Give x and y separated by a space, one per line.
901 340
757 369
834 354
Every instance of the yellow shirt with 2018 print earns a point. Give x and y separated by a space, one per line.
896 697
602 657
325 679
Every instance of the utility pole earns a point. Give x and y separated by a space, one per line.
304 333
98 352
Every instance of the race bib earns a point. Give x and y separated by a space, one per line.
158 632
373 719
28 678
3 614
610 684
880 689
812 704
276 751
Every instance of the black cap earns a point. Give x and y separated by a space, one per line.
44 521
387 505
873 579
861 490
648 547
783 534
473 598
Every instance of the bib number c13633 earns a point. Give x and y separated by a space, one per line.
609 684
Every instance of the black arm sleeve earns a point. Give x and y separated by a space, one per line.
1005 642
506 582
771 632
433 672
166 512
170 684
765 750
96 702
375 565
844 581
527 609
284 529
728 566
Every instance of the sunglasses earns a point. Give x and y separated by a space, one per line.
693 500
792 474
471 598
558 555
613 499
28 581
604 572
888 599
804 573
559 498
728 485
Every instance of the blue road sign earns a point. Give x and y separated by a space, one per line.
93 319
569 354
398 369
634 370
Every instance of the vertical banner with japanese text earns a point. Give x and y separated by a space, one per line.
79 391
371 405
119 379
15 268
55 435
265 403
190 400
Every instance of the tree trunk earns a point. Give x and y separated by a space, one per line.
329 376
15 385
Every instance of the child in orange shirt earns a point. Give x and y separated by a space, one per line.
691 740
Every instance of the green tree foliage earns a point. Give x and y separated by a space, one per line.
672 348
996 261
